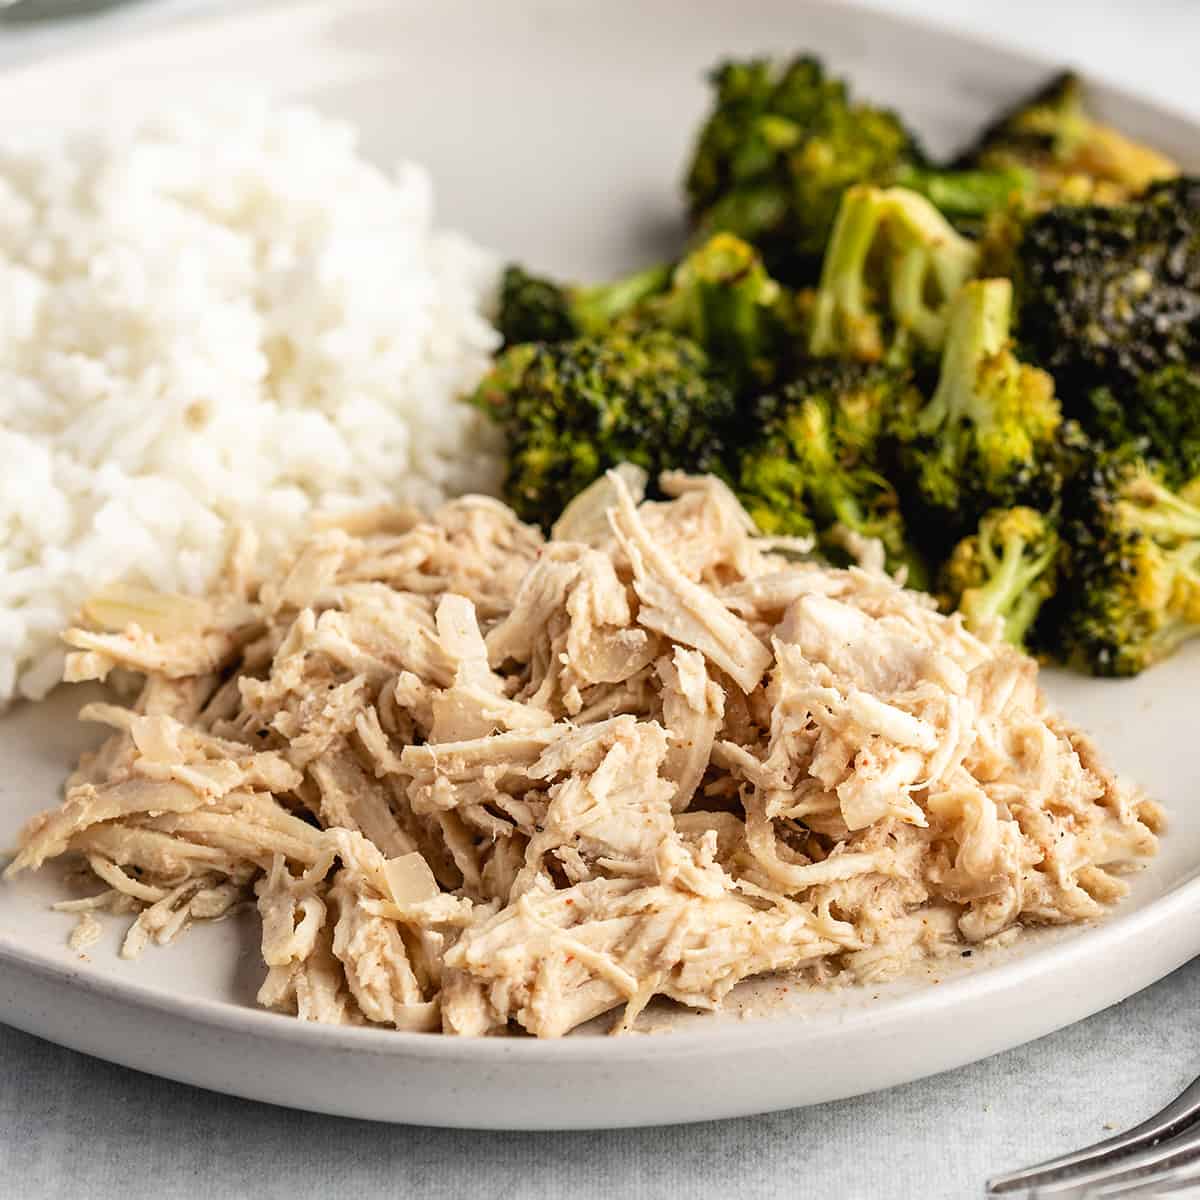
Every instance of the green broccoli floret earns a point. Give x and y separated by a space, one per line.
719 295
533 309
1070 159
818 461
1004 572
892 267
988 437
1158 418
781 143
573 409
1068 153
1107 294
723 299
1131 589
536 309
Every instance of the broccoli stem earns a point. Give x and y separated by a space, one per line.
907 295
1170 521
1172 634
594 308
841 296
967 193
1009 594
1160 512
978 328
935 259
923 259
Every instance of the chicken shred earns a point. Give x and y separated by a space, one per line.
474 779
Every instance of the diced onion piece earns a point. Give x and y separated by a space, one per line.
410 879
419 1018
585 519
120 605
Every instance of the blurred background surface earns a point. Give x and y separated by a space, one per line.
1150 44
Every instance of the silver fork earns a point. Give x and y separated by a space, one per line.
1159 1157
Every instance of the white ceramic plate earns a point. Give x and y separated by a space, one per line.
556 132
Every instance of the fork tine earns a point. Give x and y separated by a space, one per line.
1179 1115
1126 1171
1177 1180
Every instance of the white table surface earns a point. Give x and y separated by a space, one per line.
73 1126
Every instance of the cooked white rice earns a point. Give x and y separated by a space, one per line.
208 316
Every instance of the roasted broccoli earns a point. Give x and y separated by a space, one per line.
573 409
719 295
892 267
1004 572
535 309
1131 588
723 299
987 438
817 462
784 140
1158 418
781 143
1068 153
1107 294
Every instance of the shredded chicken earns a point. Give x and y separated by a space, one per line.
472 779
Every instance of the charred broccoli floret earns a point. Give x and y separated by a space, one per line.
536 309
987 438
892 267
722 297
533 308
1069 159
781 143
719 295
1004 572
1068 153
1107 294
573 409
1158 418
1131 589
817 462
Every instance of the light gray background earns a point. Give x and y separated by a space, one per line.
73 1126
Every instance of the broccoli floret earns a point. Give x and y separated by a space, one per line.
1068 160
719 295
1131 590
1107 294
892 267
1004 572
533 309
818 460
536 309
1068 153
723 299
1158 418
988 437
781 143
573 409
